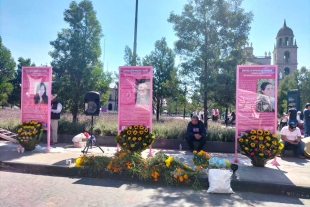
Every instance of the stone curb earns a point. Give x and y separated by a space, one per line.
236 185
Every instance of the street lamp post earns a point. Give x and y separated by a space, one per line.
135 35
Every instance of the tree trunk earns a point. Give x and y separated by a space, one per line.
157 109
74 113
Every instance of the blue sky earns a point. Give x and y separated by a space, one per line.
27 26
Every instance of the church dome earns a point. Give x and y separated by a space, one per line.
285 31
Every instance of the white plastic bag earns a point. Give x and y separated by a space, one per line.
219 181
79 138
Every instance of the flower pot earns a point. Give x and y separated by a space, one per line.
30 144
259 163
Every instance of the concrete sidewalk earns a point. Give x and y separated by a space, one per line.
290 178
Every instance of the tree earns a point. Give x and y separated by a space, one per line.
304 85
289 82
209 31
129 57
7 68
15 96
164 78
76 65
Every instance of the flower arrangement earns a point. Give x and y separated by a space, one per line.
161 167
29 134
135 138
201 159
260 146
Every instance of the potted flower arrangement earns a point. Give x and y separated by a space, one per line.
135 138
29 134
260 146
201 159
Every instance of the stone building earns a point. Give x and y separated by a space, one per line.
285 52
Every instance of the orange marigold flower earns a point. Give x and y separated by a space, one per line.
181 178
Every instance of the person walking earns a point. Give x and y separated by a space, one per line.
306 116
55 116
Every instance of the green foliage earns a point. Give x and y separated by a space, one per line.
211 36
165 83
304 86
130 59
7 69
287 83
14 97
76 58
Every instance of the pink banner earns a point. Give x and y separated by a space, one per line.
256 98
135 96
35 95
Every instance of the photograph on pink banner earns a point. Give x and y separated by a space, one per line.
135 96
35 93
256 100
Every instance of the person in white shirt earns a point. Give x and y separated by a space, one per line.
291 137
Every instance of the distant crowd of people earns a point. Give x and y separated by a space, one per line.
215 116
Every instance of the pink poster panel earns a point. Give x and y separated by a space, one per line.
256 98
135 96
35 95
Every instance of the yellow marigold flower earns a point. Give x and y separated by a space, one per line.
268 138
261 154
207 155
240 140
141 132
135 132
200 153
141 127
252 145
274 142
147 136
132 145
144 144
168 161
274 135
129 132
253 131
153 136
246 140
139 138
267 144
194 151
185 176
134 139
130 127
181 178
136 127
281 146
246 148
253 137
124 143
261 138
78 162
261 146
129 138
146 130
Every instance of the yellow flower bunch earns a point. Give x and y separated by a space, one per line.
260 143
29 130
135 138
201 159
169 160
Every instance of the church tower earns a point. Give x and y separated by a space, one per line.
285 52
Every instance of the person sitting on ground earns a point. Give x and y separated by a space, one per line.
291 137
196 131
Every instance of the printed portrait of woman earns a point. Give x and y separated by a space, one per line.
143 91
40 97
265 97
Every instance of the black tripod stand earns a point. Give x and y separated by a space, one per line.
91 139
